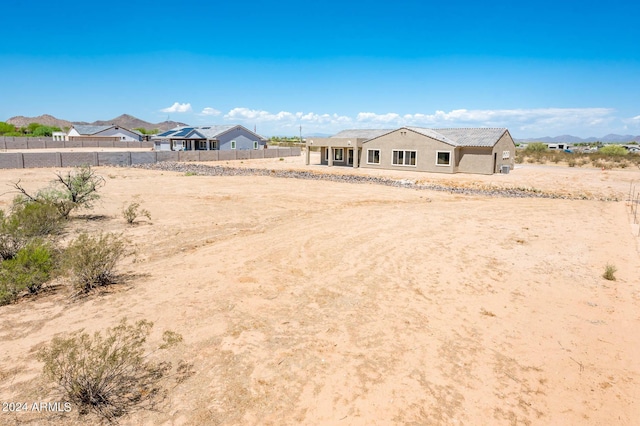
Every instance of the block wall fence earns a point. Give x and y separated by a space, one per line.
9 142
24 160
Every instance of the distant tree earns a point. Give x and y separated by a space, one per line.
147 131
42 131
536 147
6 128
613 150
75 189
32 127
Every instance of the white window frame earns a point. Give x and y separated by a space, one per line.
405 157
335 155
255 144
370 151
233 144
437 158
202 145
506 155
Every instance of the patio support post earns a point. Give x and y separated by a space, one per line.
330 154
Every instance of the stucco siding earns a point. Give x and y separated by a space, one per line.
473 159
505 143
405 140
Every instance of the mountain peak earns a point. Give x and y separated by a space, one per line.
125 120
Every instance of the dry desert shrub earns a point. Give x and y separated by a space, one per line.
91 260
609 272
75 189
108 374
132 211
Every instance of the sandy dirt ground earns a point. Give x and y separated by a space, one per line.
317 302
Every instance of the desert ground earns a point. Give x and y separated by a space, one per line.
329 303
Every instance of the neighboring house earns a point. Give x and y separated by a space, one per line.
59 136
464 150
561 146
112 133
208 138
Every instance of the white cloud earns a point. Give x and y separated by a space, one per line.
178 107
525 122
538 119
284 117
210 112
391 117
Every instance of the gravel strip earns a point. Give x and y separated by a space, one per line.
205 170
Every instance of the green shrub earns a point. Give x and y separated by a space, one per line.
27 271
535 147
91 260
37 219
28 220
108 374
613 151
132 211
11 237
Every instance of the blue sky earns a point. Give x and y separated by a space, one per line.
540 69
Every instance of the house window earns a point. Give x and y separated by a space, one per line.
255 144
443 158
373 156
338 154
404 158
233 144
202 144
506 155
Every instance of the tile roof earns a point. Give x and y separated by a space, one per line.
433 135
362 133
482 137
473 136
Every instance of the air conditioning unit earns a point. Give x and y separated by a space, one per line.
504 169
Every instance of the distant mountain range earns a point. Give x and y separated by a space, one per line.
610 138
130 122
125 120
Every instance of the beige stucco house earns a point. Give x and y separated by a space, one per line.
463 150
